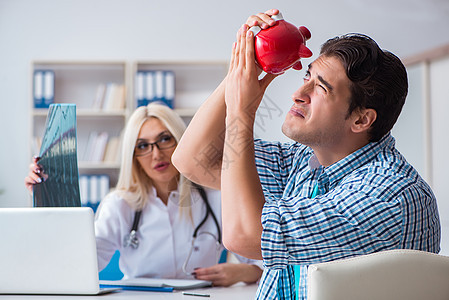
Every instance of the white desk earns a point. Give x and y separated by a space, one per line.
238 291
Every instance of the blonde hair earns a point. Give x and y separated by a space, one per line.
133 183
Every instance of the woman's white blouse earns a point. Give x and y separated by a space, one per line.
164 233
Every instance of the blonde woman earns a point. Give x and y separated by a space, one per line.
155 213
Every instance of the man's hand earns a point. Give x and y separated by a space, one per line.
263 20
244 90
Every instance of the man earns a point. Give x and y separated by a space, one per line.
341 190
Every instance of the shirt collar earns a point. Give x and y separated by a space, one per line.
355 160
172 197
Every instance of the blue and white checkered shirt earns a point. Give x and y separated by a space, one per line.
372 200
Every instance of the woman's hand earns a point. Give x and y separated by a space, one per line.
36 174
227 274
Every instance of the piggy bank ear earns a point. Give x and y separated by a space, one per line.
305 33
304 51
297 66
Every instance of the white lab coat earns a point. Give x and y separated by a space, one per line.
165 237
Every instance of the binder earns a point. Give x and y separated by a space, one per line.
94 189
38 89
84 190
43 88
160 85
155 86
140 85
169 88
104 185
49 88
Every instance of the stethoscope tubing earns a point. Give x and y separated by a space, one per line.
132 241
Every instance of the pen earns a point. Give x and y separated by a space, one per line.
195 294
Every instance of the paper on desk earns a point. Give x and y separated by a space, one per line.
176 284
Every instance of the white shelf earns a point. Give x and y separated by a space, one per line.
87 165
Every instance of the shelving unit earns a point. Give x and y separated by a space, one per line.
77 82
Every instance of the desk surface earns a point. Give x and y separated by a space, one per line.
235 292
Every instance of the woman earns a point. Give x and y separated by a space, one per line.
157 242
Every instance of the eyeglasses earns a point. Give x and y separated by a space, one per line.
165 141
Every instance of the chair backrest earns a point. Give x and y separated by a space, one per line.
395 274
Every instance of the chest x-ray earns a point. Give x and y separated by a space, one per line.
59 159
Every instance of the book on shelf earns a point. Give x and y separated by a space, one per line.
90 145
109 97
114 97
96 146
100 147
112 152
99 97
152 86
43 88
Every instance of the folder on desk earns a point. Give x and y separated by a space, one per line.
156 284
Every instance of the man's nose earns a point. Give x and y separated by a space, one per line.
303 93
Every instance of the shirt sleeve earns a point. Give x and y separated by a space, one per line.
342 223
274 163
107 230
249 261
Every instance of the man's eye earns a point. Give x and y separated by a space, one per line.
324 89
307 76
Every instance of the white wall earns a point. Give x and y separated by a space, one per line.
439 74
191 30
410 130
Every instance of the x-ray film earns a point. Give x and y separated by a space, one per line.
59 159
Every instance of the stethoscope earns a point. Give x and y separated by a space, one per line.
132 241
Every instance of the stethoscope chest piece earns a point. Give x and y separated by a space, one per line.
131 240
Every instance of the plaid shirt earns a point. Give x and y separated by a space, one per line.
371 200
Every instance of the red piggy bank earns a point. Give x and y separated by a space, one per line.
281 46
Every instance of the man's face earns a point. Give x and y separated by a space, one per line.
318 117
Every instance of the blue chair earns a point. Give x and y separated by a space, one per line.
112 270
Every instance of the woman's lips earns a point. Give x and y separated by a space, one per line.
161 166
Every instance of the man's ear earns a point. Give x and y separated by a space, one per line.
363 119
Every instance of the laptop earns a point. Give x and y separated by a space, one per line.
48 250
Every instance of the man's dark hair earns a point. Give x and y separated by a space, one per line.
378 78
